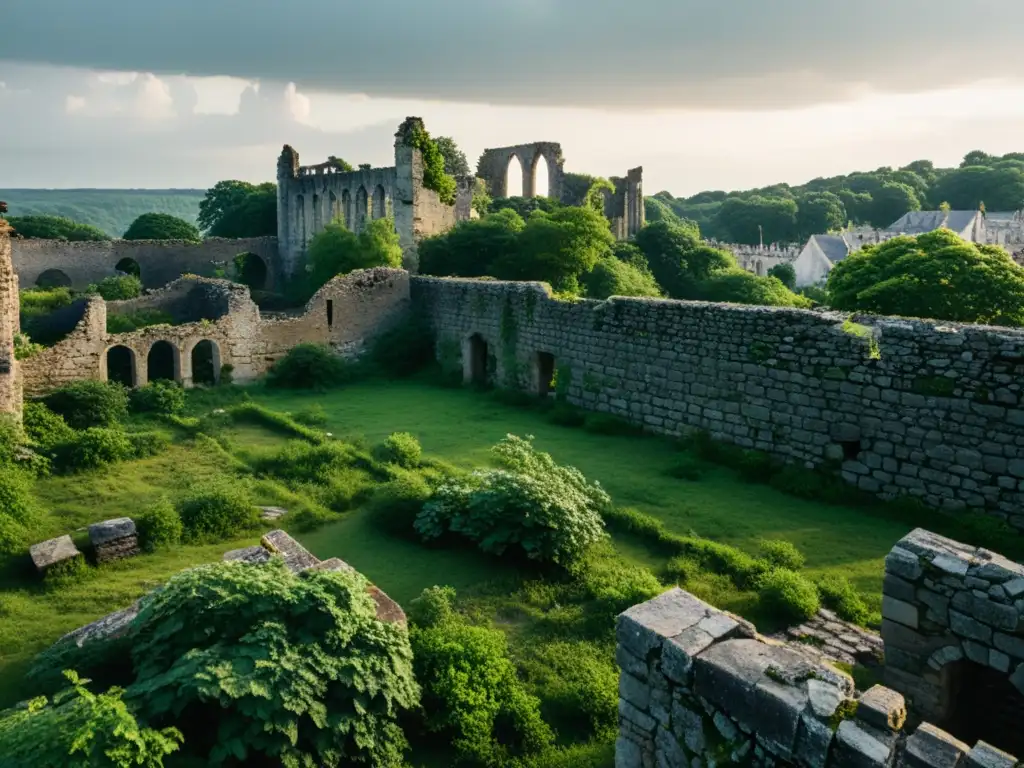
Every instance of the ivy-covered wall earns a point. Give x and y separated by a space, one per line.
899 407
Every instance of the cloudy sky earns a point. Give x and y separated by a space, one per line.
704 94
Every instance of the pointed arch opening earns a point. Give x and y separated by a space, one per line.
163 362
53 278
120 366
300 219
206 362
335 207
514 177
380 206
541 176
362 208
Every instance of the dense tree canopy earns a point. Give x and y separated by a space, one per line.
161 226
336 250
46 227
240 209
455 162
874 198
935 275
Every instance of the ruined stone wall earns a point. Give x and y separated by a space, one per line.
187 299
79 355
759 259
492 167
699 687
160 261
10 381
953 615
928 409
624 208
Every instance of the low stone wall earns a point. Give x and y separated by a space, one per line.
902 407
698 687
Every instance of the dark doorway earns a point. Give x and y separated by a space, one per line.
129 267
330 313
121 366
545 366
477 360
984 705
162 362
251 270
205 363
53 278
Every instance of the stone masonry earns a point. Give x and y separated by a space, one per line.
10 383
952 615
899 407
698 688
114 539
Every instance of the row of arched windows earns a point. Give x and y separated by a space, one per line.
163 361
353 211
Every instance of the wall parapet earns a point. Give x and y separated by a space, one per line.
901 407
700 687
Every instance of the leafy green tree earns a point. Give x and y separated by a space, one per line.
785 273
936 275
678 260
46 227
976 157
753 219
336 250
239 209
613 277
481 197
161 226
455 162
738 286
471 248
558 248
891 202
524 206
857 205
117 288
1001 189
341 164
258 665
819 213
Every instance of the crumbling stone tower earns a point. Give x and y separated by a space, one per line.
10 382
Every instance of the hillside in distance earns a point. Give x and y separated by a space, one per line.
111 210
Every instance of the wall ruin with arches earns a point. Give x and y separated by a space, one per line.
493 168
159 261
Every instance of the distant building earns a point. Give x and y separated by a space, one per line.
822 252
970 225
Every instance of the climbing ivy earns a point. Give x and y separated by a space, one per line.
585 191
434 176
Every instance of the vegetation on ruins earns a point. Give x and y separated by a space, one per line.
336 250
784 213
435 176
935 275
455 162
239 209
161 226
116 288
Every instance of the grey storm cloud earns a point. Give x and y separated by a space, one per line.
749 54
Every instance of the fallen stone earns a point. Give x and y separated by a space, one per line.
984 755
254 555
110 530
47 554
931 747
883 708
272 513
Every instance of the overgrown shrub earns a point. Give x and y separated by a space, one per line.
310 366
612 583
788 596
838 594
126 322
216 510
80 728
19 510
159 525
550 512
159 396
342 489
472 695
577 683
45 428
403 349
11 439
93 448
312 415
393 507
302 462
89 403
432 607
781 554
147 443
402 449
117 288
329 687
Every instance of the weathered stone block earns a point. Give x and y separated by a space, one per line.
931 747
47 554
635 691
903 563
678 653
1004 617
641 720
643 627
883 708
111 530
984 755
296 556
899 611
254 555
813 741
688 727
967 627
856 747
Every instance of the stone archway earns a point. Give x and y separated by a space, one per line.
540 176
163 362
205 359
251 270
120 366
515 173
380 206
129 266
362 203
53 278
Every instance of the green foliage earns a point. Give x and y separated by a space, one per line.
738 286
609 424
310 366
89 403
19 510
481 198
524 206
159 526
335 250
92 448
239 209
434 606
781 554
38 301
788 596
837 593
48 227
216 509
785 273
257 664
550 512
892 200
79 729
161 226
471 248
117 288
758 217
24 347
817 214
472 695
402 449
147 443
403 349
455 162
126 322
312 415
613 277
687 468
577 683
161 396
434 175
45 428
678 260
936 275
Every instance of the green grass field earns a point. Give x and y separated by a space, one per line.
452 424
